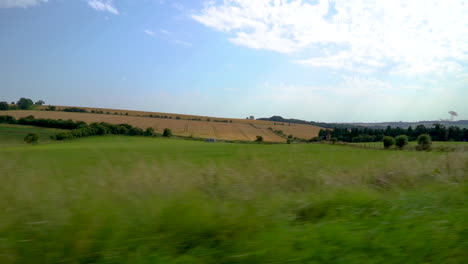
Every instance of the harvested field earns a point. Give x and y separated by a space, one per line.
297 130
156 114
180 127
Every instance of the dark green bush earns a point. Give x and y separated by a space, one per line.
388 142
4 106
401 141
424 142
31 138
167 132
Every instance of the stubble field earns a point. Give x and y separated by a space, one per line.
239 129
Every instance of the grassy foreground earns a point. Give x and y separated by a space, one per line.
146 200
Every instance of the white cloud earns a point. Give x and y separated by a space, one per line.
415 37
20 3
149 33
180 42
103 5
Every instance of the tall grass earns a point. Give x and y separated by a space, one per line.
139 200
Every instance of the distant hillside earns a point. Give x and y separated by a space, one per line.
299 121
460 123
181 125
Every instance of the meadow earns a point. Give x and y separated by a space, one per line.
239 129
118 199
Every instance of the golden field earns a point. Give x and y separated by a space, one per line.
239 129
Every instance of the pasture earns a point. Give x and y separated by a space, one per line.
117 199
13 135
246 130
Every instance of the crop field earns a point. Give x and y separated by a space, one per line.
172 115
297 130
204 129
121 199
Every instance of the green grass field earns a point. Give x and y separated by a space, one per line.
117 199
13 135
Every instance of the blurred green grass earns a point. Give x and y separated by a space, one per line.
122 199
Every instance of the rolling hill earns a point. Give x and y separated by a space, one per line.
182 125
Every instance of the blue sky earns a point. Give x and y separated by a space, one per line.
320 60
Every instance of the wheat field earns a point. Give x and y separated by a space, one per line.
239 129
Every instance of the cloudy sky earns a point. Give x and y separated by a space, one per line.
322 60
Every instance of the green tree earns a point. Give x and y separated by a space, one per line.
388 142
259 139
401 141
149 131
24 103
4 106
334 140
424 142
31 138
167 132
40 102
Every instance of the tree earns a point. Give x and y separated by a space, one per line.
25 103
334 140
51 108
259 139
40 102
32 138
401 141
424 142
4 106
149 131
167 132
388 142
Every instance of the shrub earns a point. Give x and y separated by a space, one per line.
388 142
149 131
74 110
8 119
315 139
167 132
31 138
51 108
334 140
4 106
424 142
401 141
259 139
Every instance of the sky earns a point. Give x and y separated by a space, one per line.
318 60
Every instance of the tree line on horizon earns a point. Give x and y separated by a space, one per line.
437 132
21 104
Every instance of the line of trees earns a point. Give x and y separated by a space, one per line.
79 129
21 104
437 132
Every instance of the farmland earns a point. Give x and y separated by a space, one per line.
120 199
239 129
